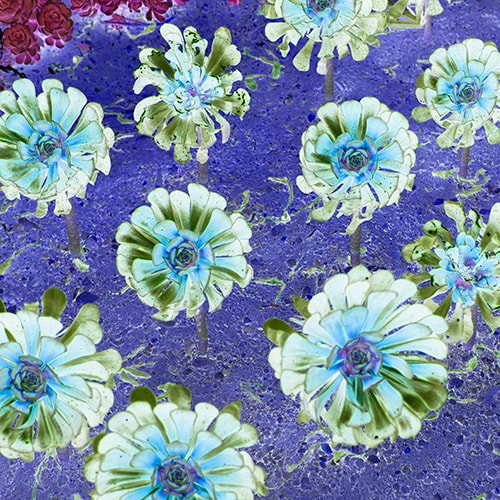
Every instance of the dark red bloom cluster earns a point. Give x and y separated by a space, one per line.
152 8
28 24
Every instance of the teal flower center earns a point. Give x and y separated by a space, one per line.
320 5
468 91
176 477
354 159
29 379
360 358
181 255
45 144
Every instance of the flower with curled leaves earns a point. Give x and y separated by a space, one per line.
182 250
466 268
359 361
358 156
52 379
52 145
167 451
461 92
193 90
345 25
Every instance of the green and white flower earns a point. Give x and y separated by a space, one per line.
51 145
51 378
182 250
359 361
193 91
167 451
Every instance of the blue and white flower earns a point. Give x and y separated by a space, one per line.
52 145
51 378
463 272
362 360
461 92
167 451
358 156
347 25
182 250
193 90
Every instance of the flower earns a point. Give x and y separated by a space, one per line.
157 8
465 268
134 5
52 144
348 25
16 11
21 42
85 8
51 379
109 6
168 451
358 360
183 250
461 92
192 88
359 155
54 20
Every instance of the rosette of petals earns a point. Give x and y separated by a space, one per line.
193 90
362 361
358 156
167 451
52 145
345 25
22 43
461 92
16 11
182 250
466 269
54 21
51 378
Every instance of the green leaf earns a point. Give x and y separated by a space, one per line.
301 305
180 396
233 409
492 321
421 114
277 331
143 394
53 303
2 306
250 83
492 230
95 441
455 211
444 307
471 364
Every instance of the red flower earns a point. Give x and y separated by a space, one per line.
134 5
85 7
157 8
54 20
21 42
109 6
16 11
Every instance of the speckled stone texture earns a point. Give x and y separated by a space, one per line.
456 456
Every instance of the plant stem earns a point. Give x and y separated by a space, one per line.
201 325
75 247
464 162
328 82
356 247
202 167
427 25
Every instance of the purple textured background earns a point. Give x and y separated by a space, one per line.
456 456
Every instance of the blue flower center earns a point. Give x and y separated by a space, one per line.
354 159
176 476
360 358
468 91
181 255
320 5
29 379
45 145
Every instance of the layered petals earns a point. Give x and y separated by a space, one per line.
363 366
168 451
184 250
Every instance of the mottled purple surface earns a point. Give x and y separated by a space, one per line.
456 456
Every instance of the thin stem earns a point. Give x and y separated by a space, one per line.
427 25
202 166
201 325
356 247
75 246
464 163
328 82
